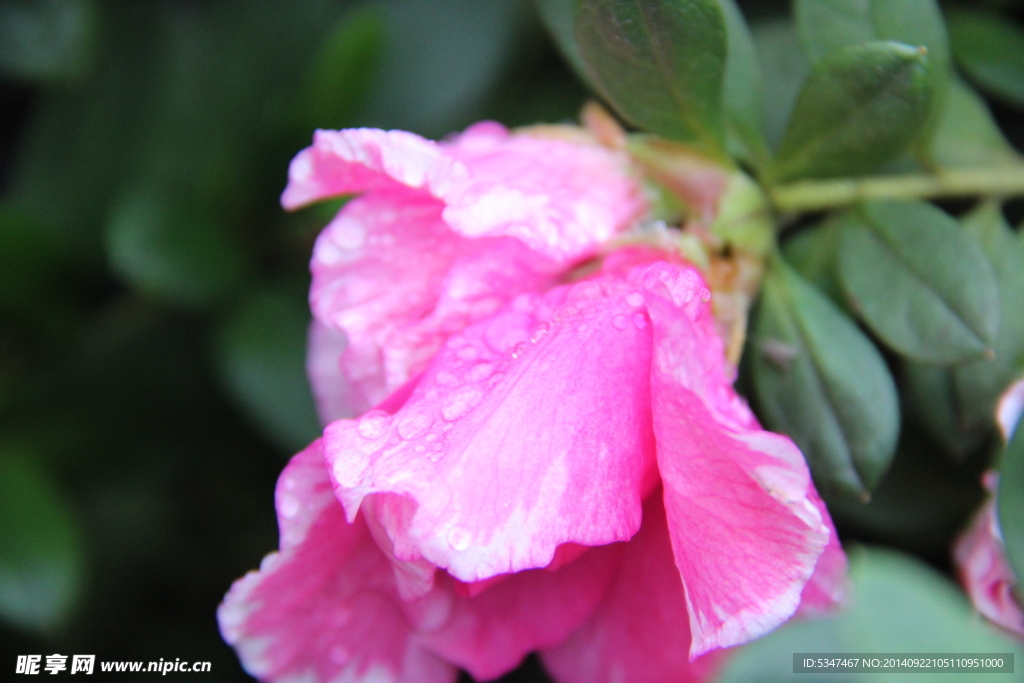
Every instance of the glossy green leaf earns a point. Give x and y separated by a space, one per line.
897 604
660 64
47 40
919 282
990 50
343 69
40 548
966 135
173 251
744 93
261 352
818 379
860 108
1011 500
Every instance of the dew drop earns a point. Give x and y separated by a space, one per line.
519 349
584 291
468 353
479 372
289 507
458 539
461 402
373 424
414 425
635 299
445 378
539 332
640 320
620 322
420 448
705 294
430 438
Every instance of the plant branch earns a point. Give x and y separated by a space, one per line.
814 195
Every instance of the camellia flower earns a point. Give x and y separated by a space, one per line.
556 462
980 554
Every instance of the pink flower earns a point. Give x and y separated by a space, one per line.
980 553
557 460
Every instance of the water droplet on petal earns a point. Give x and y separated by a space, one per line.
620 322
519 349
585 291
289 506
479 372
468 353
640 320
458 539
635 299
539 332
461 402
414 425
705 294
373 424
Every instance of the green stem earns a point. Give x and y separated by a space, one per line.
814 195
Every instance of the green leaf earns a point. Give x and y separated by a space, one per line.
829 25
343 69
990 50
897 604
40 547
1011 500
173 250
957 405
814 253
261 351
922 502
860 108
46 40
784 65
919 282
660 64
934 399
560 18
821 381
743 95
966 135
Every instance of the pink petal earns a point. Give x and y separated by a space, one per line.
1011 405
489 634
745 531
335 396
396 281
324 607
527 431
827 588
561 197
366 159
640 633
986 573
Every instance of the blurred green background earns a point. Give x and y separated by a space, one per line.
152 291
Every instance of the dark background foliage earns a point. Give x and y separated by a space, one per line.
152 292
